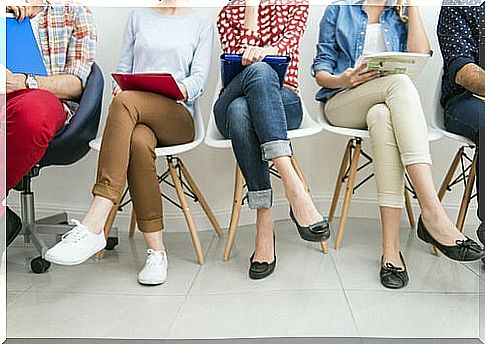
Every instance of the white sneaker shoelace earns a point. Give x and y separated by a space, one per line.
76 234
153 258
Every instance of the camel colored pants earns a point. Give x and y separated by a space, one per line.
390 108
137 123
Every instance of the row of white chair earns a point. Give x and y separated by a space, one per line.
350 166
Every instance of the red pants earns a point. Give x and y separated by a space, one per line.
33 119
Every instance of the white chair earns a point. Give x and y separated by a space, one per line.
349 168
216 140
182 182
462 159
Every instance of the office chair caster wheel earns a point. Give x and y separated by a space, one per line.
39 265
111 243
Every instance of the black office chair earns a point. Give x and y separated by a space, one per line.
69 146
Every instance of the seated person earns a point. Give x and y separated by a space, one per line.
137 123
390 108
39 106
256 113
464 76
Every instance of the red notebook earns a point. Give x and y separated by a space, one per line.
160 83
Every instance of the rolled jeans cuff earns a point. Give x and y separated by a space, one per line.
416 158
262 199
150 226
390 200
107 191
276 149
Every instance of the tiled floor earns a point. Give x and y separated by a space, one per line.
310 294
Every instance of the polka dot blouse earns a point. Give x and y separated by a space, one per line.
279 25
459 37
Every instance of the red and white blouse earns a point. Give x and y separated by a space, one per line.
279 24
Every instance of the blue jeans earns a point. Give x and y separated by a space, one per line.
464 115
255 113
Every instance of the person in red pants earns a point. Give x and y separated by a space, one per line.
39 106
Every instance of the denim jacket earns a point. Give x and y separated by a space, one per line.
342 37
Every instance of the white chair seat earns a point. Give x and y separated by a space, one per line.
215 139
433 133
172 150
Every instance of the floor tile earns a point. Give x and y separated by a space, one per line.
300 265
415 315
265 314
116 272
358 262
81 315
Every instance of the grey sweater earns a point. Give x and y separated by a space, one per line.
177 44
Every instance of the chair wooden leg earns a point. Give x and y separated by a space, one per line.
132 224
465 202
188 215
409 209
299 171
348 193
338 184
296 166
201 199
236 212
107 227
451 172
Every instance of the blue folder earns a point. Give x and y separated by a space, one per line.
231 66
23 54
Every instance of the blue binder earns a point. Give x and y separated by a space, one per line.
23 54
231 66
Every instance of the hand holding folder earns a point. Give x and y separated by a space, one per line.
159 83
231 66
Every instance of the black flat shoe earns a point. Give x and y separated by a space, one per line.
464 251
14 225
393 277
260 270
316 232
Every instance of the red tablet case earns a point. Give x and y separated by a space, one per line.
160 83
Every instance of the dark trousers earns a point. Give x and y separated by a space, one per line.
465 115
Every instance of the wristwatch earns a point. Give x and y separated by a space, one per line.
31 82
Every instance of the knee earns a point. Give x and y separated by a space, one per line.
238 119
38 117
402 83
122 100
378 115
261 71
143 141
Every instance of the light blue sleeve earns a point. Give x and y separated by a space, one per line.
125 63
199 69
326 56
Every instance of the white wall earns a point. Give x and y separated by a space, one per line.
68 188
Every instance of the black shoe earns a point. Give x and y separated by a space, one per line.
464 251
316 232
393 277
260 270
481 233
14 225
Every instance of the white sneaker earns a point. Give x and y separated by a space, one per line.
76 246
155 270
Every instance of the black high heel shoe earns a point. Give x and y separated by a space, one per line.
260 270
316 232
393 277
464 251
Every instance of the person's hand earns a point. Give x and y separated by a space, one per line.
353 77
14 82
116 90
23 12
183 89
257 54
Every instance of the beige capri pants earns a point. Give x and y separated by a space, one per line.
390 108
